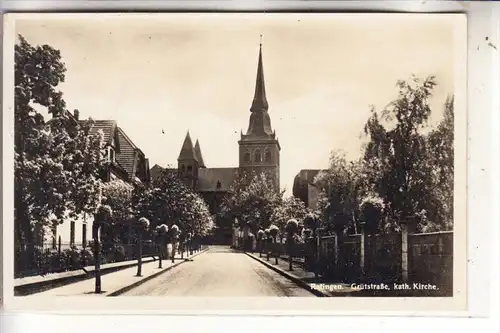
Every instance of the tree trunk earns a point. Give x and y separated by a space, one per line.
97 256
139 255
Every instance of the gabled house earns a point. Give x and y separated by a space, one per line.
127 163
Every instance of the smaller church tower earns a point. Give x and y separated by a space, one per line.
198 155
188 163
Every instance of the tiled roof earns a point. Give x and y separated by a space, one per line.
127 157
107 126
155 171
210 177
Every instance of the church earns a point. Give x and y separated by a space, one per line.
259 151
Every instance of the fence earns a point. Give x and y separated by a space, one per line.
43 259
390 258
383 258
430 259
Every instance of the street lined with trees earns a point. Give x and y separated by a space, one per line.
59 167
405 172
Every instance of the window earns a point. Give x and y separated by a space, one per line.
218 185
267 156
189 170
183 169
111 155
72 233
246 156
257 156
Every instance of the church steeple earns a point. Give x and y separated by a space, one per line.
187 150
259 100
260 122
198 155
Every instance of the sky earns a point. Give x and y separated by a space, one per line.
179 72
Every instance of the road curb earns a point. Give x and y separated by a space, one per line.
289 276
65 278
146 279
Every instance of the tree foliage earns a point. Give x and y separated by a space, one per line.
290 208
252 200
168 201
342 187
404 172
57 162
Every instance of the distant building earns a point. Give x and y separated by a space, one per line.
128 164
259 151
304 187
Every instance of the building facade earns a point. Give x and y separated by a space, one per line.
304 187
127 164
259 151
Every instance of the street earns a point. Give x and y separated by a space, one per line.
220 272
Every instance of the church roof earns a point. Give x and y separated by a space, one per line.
216 179
187 150
198 155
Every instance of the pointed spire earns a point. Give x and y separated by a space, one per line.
187 150
197 152
259 100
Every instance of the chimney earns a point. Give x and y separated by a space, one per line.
76 114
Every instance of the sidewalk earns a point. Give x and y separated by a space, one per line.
114 284
306 279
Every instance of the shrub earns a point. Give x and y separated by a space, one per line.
292 226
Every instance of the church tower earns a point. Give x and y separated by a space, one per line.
188 163
259 149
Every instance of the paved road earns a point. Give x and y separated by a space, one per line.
220 272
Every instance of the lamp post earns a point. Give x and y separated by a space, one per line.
161 230
143 224
104 213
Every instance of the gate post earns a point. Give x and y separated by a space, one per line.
364 247
406 227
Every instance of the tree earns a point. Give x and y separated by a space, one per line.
290 208
118 196
342 186
252 200
170 202
440 143
57 163
395 155
37 72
